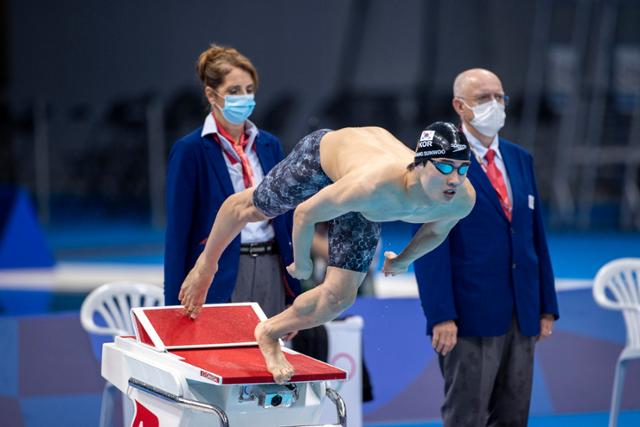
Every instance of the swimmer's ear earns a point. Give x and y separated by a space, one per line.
418 165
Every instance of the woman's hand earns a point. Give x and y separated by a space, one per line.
393 264
301 269
193 291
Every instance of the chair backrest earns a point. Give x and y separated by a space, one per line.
617 287
113 301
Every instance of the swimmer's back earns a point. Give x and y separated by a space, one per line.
350 149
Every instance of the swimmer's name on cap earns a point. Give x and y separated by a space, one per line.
430 154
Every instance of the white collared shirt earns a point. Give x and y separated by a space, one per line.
253 232
480 151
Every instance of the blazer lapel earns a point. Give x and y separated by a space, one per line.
481 182
219 166
264 154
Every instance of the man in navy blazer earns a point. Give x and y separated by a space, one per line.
488 291
197 184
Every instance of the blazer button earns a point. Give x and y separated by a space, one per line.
513 265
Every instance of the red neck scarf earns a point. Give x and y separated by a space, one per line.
247 173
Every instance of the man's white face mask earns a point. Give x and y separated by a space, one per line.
488 118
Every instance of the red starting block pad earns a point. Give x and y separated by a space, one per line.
246 366
220 343
219 325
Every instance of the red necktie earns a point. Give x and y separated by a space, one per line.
497 180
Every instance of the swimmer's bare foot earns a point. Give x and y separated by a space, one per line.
277 364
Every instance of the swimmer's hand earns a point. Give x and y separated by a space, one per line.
194 289
393 264
301 270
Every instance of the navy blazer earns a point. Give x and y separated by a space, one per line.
488 268
197 183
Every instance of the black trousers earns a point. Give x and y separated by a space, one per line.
488 380
260 280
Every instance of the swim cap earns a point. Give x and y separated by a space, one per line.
441 140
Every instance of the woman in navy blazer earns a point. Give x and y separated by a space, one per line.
226 155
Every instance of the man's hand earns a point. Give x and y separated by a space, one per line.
193 291
445 337
301 269
393 265
546 326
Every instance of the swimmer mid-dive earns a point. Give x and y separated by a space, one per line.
354 178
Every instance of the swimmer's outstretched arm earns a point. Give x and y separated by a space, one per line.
428 237
236 211
343 196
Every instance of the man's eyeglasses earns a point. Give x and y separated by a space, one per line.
482 99
447 168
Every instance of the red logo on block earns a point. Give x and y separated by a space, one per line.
210 376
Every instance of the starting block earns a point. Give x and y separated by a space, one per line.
181 372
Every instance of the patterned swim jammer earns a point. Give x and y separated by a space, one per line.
352 238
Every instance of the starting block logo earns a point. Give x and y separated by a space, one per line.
210 376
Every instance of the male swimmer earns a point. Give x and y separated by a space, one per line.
354 178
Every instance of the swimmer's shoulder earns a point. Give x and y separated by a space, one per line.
371 179
380 179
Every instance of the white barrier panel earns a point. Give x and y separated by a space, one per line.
345 352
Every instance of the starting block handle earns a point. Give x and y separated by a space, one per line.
148 388
341 409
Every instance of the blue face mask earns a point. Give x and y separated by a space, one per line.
237 108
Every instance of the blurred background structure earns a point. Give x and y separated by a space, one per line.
93 94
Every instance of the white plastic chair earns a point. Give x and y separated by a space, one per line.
112 303
617 287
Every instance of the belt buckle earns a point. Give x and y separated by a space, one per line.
251 252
